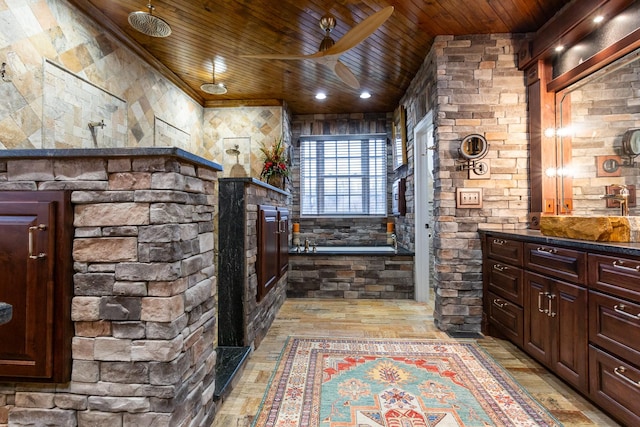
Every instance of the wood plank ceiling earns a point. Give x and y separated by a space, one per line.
384 63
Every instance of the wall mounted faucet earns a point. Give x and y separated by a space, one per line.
622 197
99 124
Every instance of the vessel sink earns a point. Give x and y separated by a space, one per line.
596 228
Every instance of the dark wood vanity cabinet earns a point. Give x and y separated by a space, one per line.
503 277
614 335
35 265
580 308
273 247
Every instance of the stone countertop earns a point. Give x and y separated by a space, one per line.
6 312
615 248
109 153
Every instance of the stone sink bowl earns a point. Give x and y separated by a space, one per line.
596 228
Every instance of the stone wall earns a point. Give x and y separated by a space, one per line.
144 287
351 276
53 32
473 85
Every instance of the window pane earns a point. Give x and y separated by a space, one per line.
343 175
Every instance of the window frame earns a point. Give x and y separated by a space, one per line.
369 184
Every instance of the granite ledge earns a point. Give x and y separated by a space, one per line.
535 236
254 181
110 153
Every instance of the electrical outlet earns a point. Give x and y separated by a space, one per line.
469 198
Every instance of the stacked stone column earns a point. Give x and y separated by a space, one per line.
144 307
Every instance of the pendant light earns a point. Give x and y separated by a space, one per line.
149 24
214 88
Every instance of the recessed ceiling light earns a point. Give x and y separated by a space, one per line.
598 19
365 95
559 48
321 95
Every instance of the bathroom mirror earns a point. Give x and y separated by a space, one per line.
597 138
631 142
473 147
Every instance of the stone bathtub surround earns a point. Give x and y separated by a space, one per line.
144 307
351 276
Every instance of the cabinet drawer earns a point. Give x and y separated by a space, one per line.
614 324
506 317
504 280
618 276
615 386
505 250
558 262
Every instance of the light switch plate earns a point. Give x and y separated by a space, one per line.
469 198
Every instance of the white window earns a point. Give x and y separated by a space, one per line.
343 175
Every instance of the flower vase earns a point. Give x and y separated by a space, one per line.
276 180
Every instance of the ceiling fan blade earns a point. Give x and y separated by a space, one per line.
360 32
344 73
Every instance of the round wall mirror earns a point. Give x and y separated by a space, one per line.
473 147
631 142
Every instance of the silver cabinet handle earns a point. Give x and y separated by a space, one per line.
550 312
499 303
499 242
499 267
620 370
547 250
620 309
32 244
540 296
620 264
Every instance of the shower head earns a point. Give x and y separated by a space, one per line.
148 24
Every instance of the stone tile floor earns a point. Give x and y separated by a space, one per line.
389 319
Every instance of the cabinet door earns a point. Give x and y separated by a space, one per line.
614 386
35 266
537 327
569 315
267 249
283 240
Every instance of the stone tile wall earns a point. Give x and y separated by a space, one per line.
247 127
144 307
351 276
473 85
39 34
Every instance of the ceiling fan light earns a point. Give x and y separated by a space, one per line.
214 88
148 24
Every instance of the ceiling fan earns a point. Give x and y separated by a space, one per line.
330 50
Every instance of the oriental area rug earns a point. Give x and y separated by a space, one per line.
323 382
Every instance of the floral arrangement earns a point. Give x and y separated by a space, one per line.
275 161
